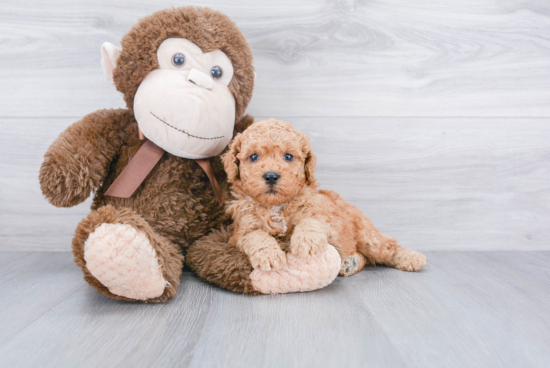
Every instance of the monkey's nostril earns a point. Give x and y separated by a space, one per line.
200 79
271 178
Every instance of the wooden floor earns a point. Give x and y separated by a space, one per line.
465 309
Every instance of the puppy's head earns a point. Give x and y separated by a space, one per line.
270 162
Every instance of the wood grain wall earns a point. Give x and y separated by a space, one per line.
432 116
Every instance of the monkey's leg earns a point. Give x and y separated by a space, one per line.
383 249
124 258
221 264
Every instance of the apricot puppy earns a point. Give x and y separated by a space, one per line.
278 207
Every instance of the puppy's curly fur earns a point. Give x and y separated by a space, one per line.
278 207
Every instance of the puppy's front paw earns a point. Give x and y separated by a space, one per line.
308 243
409 260
268 259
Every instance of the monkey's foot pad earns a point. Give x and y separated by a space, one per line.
299 274
123 260
353 264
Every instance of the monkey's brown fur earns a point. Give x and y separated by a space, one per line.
292 213
220 264
206 28
175 206
169 254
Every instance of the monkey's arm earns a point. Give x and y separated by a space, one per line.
241 125
79 159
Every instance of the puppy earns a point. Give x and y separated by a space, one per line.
278 207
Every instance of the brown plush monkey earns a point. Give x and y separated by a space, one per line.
186 75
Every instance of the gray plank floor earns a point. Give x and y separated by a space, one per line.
465 309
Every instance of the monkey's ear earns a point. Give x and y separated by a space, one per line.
230 160
109 56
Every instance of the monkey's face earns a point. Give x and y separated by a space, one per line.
175 70
185 106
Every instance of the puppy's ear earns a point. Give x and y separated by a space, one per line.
310 162
230 160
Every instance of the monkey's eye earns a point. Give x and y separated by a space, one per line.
289 157
253 157
178 60
216 72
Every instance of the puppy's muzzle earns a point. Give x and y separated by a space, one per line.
271 178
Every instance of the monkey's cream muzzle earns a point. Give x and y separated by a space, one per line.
184 107
185 112
200 79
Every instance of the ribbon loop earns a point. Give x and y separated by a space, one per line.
146 158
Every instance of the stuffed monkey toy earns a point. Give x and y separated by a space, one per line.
186 75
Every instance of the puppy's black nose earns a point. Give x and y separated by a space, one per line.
271 178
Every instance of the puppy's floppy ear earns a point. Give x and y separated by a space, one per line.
310 162
230 160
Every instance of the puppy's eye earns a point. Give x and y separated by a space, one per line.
178 60
216 72
289 157
253 158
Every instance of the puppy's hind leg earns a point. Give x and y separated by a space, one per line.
353 264
383 249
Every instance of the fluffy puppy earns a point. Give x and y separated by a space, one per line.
278 207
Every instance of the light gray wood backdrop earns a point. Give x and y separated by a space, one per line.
432 116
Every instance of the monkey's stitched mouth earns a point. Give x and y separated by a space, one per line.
183 131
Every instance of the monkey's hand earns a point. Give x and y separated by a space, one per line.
309 238
79 160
